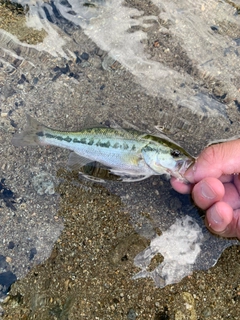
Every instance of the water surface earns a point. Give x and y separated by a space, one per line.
171 64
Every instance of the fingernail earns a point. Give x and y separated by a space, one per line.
207 191
214 216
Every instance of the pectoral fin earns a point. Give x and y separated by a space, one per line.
125 177
76 161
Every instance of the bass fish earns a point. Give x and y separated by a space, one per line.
128 153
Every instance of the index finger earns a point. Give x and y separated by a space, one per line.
215 161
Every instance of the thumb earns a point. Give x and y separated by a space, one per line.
215 161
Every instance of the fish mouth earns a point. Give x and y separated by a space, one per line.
181 168
185 165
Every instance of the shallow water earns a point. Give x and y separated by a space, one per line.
171 65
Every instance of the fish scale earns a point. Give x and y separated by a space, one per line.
128 153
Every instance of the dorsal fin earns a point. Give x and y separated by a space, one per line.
89 122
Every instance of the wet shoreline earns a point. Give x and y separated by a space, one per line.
74 250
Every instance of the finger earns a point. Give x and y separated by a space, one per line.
234 227
226 178
231 195
236 180
215 161
222 220
218 217
181 187
207 192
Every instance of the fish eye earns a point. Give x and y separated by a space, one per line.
175 153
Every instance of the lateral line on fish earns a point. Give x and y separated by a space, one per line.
87 141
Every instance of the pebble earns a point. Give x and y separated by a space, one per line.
84 56
131 315
207 312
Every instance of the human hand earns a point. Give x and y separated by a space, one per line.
215 186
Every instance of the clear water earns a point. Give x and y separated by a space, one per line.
171 64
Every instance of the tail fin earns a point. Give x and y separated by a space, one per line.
31 136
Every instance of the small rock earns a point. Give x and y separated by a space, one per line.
85 56
131 315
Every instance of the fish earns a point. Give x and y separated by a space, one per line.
128 153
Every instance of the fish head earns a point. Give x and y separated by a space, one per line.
165 159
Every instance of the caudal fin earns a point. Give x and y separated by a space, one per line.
31 136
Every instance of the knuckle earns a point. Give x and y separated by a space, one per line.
215 154
210 154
